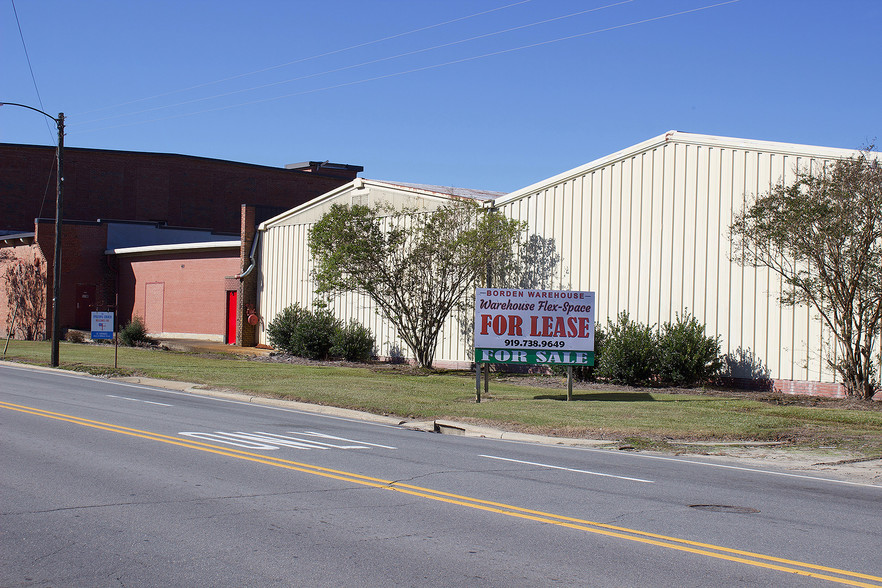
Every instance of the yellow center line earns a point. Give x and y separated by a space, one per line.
685 545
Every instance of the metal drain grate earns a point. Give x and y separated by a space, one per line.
724 508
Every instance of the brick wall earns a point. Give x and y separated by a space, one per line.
246 333
179 190
181 293
83 266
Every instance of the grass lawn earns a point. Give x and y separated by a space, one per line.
644 417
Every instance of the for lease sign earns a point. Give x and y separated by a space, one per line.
534 326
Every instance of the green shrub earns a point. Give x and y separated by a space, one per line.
74 336
317 334
686 356
313 334
281 328
135 333
354 342
629 352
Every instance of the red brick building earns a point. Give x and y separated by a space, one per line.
211 198
156 283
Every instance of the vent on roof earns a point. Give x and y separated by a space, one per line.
326 168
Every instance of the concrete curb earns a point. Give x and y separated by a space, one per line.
467 430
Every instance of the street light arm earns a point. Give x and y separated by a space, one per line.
29 108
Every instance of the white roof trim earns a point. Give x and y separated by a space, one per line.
683 138
148 249
358 184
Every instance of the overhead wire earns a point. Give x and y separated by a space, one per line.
425 68
357 65
31 68
311 57
53 136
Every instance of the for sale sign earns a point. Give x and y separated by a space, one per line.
534 326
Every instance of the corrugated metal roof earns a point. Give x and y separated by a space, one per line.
450 191
127 234
430 192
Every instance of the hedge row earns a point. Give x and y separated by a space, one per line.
678 354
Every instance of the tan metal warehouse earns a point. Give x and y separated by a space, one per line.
285 266
646 228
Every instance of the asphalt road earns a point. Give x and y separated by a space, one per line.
111 484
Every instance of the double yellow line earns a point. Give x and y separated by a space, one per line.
715 551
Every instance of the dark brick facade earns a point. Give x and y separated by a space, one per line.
179 190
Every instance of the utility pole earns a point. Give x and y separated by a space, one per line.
56 262
59 200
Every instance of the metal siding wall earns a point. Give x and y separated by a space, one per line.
678 233
735 309
632 221
570 251
650 234
702 242
645 250
600 237
779 353
715 253
285 278
616 261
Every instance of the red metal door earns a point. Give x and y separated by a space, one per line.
231 318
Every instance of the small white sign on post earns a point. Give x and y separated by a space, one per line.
102 325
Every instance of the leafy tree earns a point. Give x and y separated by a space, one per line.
532 265
416 266
823 235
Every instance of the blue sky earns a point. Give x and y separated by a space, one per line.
491 94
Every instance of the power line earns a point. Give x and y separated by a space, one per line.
428 67
31 68
357 65
303 59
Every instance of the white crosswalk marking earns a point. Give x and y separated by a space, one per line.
272 441
311 433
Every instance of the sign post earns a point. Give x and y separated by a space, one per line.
550 327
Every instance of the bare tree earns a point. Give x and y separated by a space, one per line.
25 286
